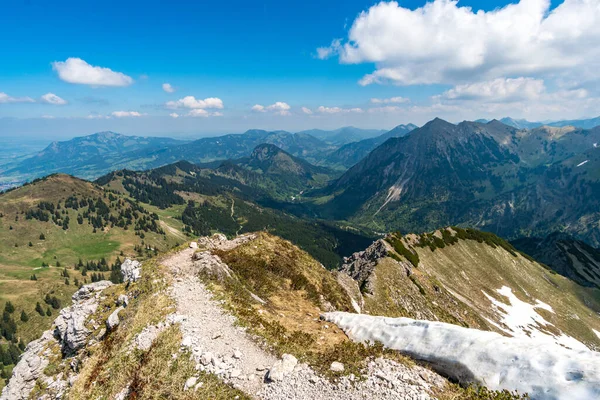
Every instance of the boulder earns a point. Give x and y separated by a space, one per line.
193 245
123 300
337 367
190 383
282 368
131 270
113 319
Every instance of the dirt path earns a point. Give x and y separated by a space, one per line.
217 344
220 347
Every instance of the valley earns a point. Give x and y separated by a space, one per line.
319 210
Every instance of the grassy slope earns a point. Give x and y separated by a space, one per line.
17 264
470 268
450 283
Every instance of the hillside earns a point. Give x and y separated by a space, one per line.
240 318
232 146
345 135
232 200
351 153
476 280
87 156
490 176
60 232
564 254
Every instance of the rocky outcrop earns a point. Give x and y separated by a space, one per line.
28 370
359 266
69 333
131 270
206 262
113 319
70 325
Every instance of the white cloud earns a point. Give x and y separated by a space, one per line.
76 70
125 114
338 110
279 108
442 42
97 116
48 117
199 112
393 100
497 90
192 103
51 98
174 115
326 52
168 88
4 98
307 111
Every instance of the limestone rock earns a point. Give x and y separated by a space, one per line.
282 368
131 270
337 367
29 368
123 300
113 319
70 324
191 382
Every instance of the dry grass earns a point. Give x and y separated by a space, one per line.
114 363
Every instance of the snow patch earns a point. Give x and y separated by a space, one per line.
542 369
520 319
582 163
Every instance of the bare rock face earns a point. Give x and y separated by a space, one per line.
27 371
70 324
70 333
131 270
360 266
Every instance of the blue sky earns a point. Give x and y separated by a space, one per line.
284 58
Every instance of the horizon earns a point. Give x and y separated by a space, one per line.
198 69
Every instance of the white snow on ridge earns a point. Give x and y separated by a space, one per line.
522 320
544 370
582 163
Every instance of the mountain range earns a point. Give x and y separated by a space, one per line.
524 124
92 156
492 176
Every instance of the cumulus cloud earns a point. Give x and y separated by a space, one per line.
76 70
442 42
199 112
279 108
4 98
51 98
196 104
174 115
125 114
338 110
307 111
392 100
501 89
168 88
